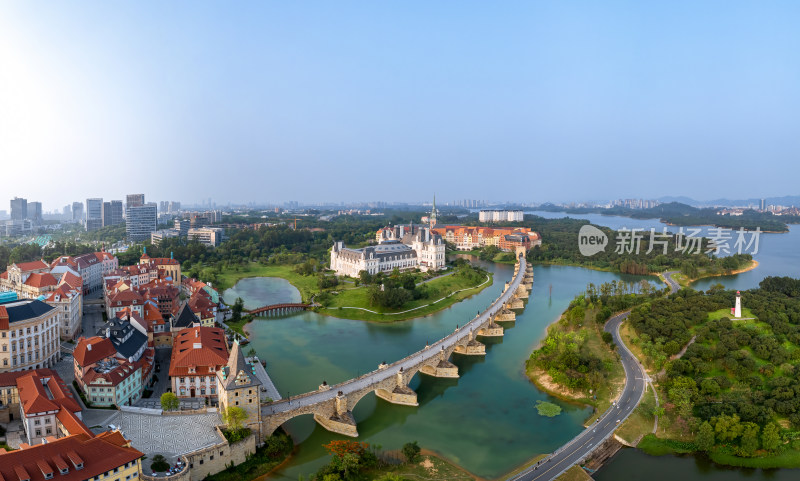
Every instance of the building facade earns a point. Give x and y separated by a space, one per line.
493 215
405 248
141 221
94 214
29 335
197 354
208 236
238 385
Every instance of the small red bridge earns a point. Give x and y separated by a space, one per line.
278 309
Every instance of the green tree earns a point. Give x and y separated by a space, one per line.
236 310
770 437
749 439
159 463
169 401
411 451
234 417
705 437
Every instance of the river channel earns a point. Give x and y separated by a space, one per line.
484 421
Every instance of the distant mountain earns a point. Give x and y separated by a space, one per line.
787 200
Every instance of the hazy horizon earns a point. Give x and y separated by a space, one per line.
315 102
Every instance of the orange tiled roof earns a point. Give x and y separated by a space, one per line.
41 280
31 266
198 347
101 349
96 455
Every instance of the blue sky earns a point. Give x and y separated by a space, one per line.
329 101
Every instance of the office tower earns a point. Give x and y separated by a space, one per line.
134 200
19 208
35 212
77 212
94 213
141 221
763 204
112 213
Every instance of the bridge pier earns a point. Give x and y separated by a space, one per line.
339 419
522 292
400 393
491 330
505 315
443 368
515 303
471 347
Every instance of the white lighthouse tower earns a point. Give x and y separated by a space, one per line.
737 310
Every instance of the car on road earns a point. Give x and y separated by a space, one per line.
617 421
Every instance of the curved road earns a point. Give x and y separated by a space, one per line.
410 362
582 445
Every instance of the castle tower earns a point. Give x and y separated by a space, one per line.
238 385
737 310
433 213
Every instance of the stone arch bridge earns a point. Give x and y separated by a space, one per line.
332 406
278 309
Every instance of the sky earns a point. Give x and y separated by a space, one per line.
395 101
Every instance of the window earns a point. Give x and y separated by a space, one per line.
38 432
37 422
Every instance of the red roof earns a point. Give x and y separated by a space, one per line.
72 423
101 349
31 266
123 371
34 398
41 280
70 279
97 455
198 347
8 379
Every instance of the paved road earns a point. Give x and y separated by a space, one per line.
407 363
584 443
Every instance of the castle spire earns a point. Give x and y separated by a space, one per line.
433 212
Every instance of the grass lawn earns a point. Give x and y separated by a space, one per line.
640 422
654 446
575 473
713 316
443 285
428 466
789 458
307 285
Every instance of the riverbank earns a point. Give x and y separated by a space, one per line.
307 285
685 281
352 304
582 333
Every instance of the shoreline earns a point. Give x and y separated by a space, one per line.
753 265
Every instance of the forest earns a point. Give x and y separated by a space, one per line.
560 246
675 213
737 384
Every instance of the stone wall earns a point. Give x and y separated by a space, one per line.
213 459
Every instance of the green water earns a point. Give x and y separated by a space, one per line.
484 421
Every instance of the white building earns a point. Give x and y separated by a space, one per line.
491 215
412 248
208 236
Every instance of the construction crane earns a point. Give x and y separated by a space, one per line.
295 222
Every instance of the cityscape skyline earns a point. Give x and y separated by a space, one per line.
320 111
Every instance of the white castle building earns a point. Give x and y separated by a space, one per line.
402 247
491 215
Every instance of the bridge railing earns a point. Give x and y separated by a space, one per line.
460 332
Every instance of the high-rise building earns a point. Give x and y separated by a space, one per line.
66 212
134 200
77 212
94 213
141 221
19 208
35 212
112 213
763 204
